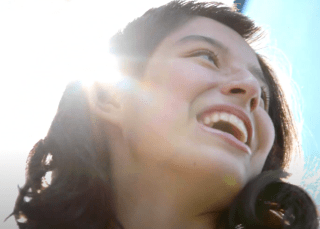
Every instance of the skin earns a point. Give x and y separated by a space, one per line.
167 172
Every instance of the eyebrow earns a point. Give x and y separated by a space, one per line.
208 40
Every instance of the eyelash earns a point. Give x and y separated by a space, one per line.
265 95
212 56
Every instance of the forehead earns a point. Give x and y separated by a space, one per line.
210 32
219 32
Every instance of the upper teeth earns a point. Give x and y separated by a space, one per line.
209 120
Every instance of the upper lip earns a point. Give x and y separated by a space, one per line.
231 109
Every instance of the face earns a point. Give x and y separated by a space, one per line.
199 108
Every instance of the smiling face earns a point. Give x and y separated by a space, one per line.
203 75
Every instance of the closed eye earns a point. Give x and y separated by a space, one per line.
207 55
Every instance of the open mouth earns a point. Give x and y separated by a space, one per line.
228 123
231 129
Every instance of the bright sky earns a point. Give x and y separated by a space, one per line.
44 44
294 32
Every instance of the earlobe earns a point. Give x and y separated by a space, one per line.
104 103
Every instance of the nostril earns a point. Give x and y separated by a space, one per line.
237 91
253 104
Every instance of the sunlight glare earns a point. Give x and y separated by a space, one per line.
111 77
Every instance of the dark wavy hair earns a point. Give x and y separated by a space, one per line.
80 194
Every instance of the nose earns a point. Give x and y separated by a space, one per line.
243 86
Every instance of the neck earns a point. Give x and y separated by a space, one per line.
147 196
165 201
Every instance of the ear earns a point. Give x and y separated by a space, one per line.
104 103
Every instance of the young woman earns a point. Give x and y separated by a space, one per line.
198 136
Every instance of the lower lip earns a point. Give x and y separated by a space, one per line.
229 138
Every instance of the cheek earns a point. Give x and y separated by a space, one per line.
151 117
263 142
182 77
